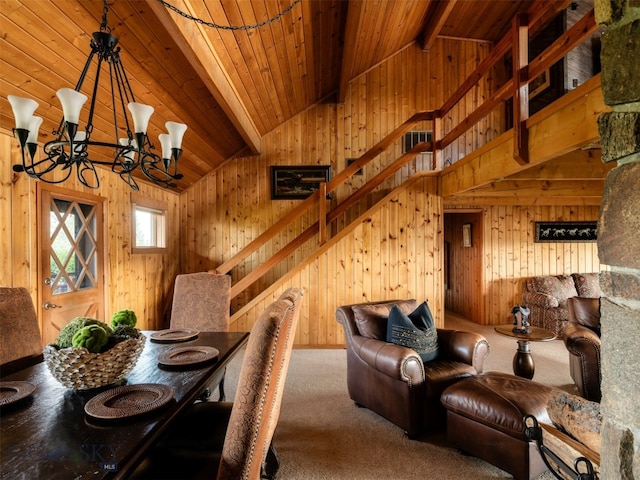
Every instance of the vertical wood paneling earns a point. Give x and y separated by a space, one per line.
351 268
528 258
506 235
141 282
221 222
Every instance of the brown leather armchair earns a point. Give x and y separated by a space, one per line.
392 380
582 339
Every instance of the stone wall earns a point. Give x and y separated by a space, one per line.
619 239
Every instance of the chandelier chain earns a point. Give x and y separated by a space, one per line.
104 26
230 27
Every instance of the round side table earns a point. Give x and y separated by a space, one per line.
523 364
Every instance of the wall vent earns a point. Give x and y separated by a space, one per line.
411 139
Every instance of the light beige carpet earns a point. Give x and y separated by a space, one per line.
323 435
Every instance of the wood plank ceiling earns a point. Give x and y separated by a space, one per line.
230 87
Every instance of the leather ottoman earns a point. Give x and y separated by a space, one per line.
485 419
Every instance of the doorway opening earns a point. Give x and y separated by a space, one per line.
463 248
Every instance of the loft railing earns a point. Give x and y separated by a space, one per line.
523 72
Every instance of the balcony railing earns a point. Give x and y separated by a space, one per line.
515 43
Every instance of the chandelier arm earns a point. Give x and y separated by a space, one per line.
94 95
156 174
125 92
82 167
33 169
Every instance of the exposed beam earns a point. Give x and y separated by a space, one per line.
436 18
192 39
576 165
463 203
535 188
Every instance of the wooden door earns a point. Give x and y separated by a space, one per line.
71 260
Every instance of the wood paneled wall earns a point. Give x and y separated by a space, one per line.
393 251
141 282
230 207
510 255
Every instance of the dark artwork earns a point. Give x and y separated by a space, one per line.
290 182
566 231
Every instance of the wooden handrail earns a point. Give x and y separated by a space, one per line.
313 199
538 11
308 234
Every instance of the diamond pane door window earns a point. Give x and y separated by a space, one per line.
73 253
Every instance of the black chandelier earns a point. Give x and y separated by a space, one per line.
72 147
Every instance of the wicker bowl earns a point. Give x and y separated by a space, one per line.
78 369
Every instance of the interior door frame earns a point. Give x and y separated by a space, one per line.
102 259
476 217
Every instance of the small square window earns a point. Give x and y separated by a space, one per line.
149 226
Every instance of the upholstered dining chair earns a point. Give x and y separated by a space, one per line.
201 301
233 441
20 339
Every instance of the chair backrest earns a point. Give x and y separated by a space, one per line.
201 301
256 407
20 336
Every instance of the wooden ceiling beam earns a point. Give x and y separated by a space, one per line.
576 165
436 18
459 202
193 42
534 188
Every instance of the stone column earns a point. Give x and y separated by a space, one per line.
619 239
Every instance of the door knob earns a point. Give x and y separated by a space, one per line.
48 305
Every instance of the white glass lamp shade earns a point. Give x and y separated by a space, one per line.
176 132
141 114
79 137
72 102
34 129
131 153
23 109
165 143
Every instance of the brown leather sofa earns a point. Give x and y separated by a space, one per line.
582 339
392 380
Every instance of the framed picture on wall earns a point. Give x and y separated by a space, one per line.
297 182
566 231
466 235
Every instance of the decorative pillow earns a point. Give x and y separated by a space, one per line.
587 284
416 330
371 319
585 311
559 286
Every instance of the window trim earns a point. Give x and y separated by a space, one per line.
146 203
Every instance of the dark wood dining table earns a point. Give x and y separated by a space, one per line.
49 436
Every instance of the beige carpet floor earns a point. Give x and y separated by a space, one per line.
322 435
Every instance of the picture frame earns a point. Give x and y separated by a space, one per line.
540 83
566 231
297 182
466 235
350 161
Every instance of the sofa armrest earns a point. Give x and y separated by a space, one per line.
467 347
394 361
582 341
539 300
